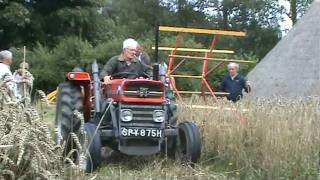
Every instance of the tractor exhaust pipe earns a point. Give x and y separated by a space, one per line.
96 87
155 71
155 67
156 51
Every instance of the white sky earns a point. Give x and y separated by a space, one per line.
286 24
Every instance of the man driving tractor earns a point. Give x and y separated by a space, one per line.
125 63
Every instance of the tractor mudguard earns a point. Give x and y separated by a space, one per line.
78 76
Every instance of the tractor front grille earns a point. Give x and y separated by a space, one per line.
143 90
142 115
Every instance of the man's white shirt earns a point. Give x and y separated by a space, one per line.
6 75
5 69
232 77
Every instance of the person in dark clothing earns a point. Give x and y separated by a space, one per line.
234 83
126 62
143 56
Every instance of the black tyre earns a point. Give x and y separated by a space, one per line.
84 149
93 146
69 99
188 145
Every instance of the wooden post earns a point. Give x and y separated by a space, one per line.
23 72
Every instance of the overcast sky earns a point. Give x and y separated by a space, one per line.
285 25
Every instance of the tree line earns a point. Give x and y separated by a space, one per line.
60 34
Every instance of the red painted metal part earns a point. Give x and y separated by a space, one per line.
111 90
115 89
82 80
78 76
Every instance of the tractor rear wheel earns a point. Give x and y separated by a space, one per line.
188 145
82 146
69 100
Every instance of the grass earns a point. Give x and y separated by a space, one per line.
255 139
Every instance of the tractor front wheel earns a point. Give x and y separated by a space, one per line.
90 156
188 145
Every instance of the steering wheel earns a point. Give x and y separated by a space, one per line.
121 75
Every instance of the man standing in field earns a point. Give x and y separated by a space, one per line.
5 62
5 73
24 80
126 62
143 56
234 83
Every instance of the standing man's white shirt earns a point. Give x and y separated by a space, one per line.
6 74
5 69
232 77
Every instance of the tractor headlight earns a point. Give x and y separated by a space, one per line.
126 115
158 116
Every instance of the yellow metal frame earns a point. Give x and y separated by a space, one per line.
52 96
212 59
207 57
207 93
195 50
185 76
202 31
213 108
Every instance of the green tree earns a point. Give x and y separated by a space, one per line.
25 22
298 8
258 18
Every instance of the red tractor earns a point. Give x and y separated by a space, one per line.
134 116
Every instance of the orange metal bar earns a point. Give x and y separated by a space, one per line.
171 59
218 64
173 83
178 65
204 70
204 82
209 88
208 55
171 62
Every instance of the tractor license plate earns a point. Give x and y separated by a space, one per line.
135 132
